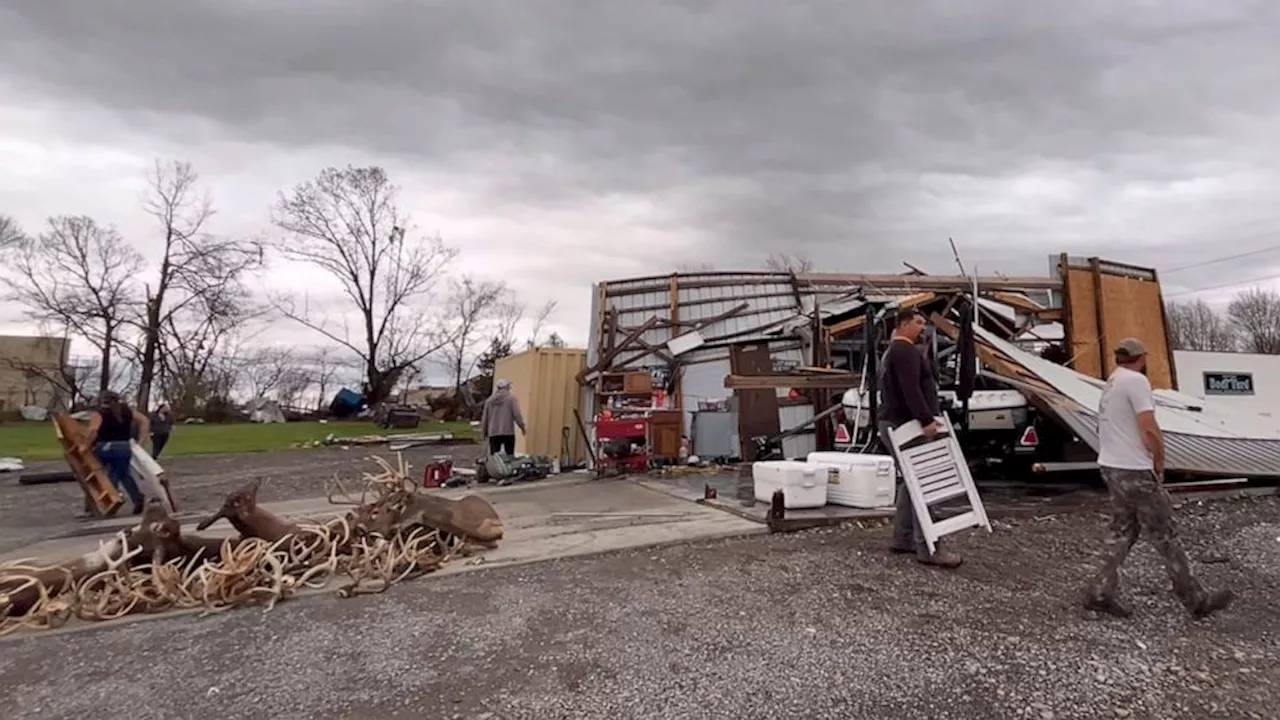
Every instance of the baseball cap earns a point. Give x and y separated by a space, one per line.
1132 347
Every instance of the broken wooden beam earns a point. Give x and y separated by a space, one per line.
831 381
929 282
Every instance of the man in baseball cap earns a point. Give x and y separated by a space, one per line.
1131 458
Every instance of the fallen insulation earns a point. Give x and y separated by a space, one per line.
389 538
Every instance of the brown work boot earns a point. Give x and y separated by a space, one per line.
1108 605
941 559
901 548
1212 603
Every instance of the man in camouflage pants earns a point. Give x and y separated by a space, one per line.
1131 458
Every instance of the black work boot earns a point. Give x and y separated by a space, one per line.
1108 605
1212 603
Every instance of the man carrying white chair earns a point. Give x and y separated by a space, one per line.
908 391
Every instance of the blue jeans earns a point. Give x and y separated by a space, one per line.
115 458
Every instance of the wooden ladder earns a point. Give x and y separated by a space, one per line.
93 478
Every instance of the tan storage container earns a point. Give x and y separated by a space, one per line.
544 381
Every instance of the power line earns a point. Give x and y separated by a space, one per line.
1236 283
1227 258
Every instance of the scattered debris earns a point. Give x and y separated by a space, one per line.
395 535
397 442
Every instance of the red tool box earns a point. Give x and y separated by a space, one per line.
635 430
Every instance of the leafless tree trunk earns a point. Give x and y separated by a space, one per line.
540 324
346 223
324 371
80 276
471 309
197 352
196 268
1196 326
788 263
1256 314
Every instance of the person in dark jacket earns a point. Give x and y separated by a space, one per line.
161 427
111 426
908 391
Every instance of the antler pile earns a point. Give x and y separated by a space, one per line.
378 544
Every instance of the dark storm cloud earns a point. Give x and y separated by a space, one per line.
825 127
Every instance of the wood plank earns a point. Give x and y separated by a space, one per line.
929 282
757 409
1082 319
607 359
854 323
841 381
1104 341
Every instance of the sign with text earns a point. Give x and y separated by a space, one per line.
1228 383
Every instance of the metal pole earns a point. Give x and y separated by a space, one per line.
872 365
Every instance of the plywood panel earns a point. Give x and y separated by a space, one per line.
1107 302
757 409
1083 312
1133 309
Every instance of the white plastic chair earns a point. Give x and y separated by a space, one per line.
935 471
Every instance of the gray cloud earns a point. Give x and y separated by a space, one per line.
858 132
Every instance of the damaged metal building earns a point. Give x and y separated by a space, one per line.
733 357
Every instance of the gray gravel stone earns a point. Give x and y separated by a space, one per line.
822 624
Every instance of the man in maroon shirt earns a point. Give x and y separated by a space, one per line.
909 392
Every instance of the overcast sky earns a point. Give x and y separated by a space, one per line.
559 142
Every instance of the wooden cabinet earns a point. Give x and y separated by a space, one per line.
637 383
667 430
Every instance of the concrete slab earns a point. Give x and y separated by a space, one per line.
542 521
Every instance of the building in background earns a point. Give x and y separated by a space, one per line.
32 372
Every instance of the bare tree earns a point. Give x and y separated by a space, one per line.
264 370
1256 315
788 263
324 368
346 223
540 324
81 276
196 268
1196 326
471 309
10 232
197 353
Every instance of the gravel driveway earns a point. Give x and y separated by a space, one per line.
36 512
823 624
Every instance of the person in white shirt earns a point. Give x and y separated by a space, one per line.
1131 459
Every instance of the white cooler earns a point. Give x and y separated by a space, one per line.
803 485
861 481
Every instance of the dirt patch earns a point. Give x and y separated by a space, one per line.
32 513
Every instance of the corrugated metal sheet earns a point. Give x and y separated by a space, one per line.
544 381
1199 437
770 300
797 446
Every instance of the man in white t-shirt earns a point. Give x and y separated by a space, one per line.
1131 458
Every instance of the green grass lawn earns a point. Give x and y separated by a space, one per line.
33 441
